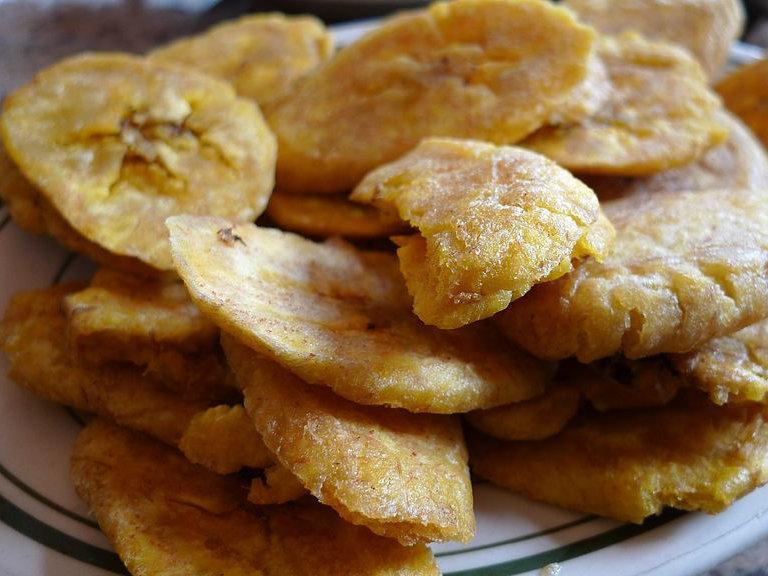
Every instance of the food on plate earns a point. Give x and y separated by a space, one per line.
660 114
116 144
494 70
745 93
261 55
341 317
327 215
402 475
165 515
277 487
686 268
491 222
689 454
707 28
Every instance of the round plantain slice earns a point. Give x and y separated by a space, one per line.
341 317
261 55
492 222
488 69
660 114
117 144
745 93
327 215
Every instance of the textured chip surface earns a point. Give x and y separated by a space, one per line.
689 454
686 267
278 487
707 28
341 317
488 69
403 475
166 516
745 93
492 222
117 144
660 114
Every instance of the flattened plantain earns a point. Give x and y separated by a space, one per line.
745 93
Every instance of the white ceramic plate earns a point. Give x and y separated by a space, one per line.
46 530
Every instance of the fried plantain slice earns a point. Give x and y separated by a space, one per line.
487 69
686 268
327 215
628 465
660 114
493 222
341 317
278 487
739 163
710 26
745 93
166 516
402 475
261 55
116 144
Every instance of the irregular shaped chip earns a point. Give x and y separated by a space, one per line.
117 144
587 98
745 93
278 487
261 55
739 163
730 368
686 268
402 475
493 221
326 215
340 317
660 114
689 454
708 27
488 69
166 516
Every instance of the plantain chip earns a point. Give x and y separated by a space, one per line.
340 317
745 93
278 487
402 475
686 268
488 69
660 114
166 516
493 221
116 144
261 55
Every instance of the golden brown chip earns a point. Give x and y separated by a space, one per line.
660 114
730 368
166 516
707 28
739 163
278 487
686 267
223 439
488 69
628 465
341 317
402 475
745 93
493 221
261 55
326 215
117 144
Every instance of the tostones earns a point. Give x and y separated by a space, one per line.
745 93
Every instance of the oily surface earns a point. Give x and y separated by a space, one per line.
710 26
488 69
745 93
166 516
260 55
341 317
132 143
327 215
492 221
689 454
686 267
660 114
403 475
